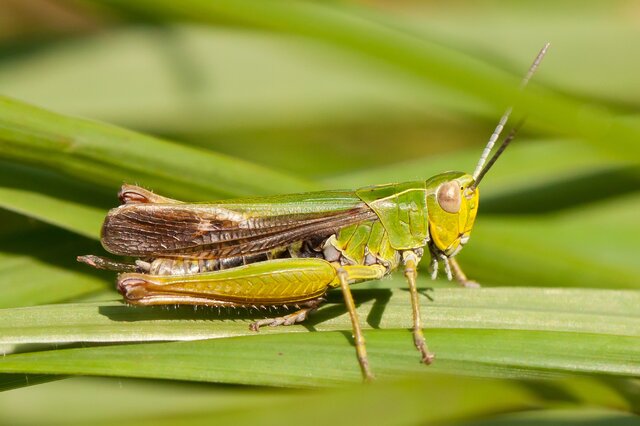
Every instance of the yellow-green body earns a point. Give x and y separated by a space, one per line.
385 222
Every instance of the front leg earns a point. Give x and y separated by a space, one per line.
410 260
460 276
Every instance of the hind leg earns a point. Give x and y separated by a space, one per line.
289 319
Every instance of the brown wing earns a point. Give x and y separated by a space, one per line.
220 230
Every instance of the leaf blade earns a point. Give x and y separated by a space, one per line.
275 359
107 155
610 312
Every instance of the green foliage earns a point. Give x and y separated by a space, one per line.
254 97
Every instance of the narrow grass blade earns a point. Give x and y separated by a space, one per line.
14 381
327 358
430 399
491 332
568 310
52 198
379 38
559 417
37 264
579 247
107 155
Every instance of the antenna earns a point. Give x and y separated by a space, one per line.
503 120
494 158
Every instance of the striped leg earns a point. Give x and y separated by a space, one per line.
410 264
358 337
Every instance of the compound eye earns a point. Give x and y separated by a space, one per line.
448 197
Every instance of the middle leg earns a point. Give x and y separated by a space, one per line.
410 260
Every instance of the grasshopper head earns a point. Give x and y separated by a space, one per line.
452 200
452 197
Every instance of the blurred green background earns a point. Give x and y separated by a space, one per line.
215 99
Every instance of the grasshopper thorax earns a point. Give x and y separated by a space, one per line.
452 202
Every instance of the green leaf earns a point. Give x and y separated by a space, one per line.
399 402
579 247
570 310
107 155
204 81
562 417
528 165
13 381
492 332
581 38
38 264
327 358
377 37
52 198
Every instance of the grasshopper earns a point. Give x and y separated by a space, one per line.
289 250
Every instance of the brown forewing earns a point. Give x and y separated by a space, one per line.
197 231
